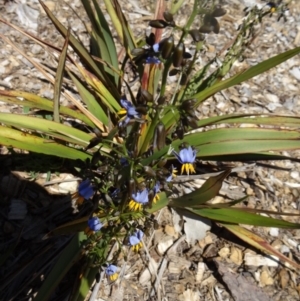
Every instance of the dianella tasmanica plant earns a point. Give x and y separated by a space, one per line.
133 133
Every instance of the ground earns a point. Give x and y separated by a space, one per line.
219 266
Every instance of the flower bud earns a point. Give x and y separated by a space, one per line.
149 171
188 104
166 46
180 131
219 12
206 28
158 23
150 40
168 16
173 72
145 95
132 187
137 51
162 162
159 136
196 35
192 122
187 55
161 100
184 79
216 25
178 55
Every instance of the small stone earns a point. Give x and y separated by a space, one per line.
295 175
274 232
295 72
224 252
170 230
272 98
266 278
236 256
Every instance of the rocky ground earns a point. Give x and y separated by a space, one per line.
173 267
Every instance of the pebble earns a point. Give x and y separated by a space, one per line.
274 232
272 97
295 72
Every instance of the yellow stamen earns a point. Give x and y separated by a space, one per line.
188 167
156 198
138 246
134 206
122 111
113 277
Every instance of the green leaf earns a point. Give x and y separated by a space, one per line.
120 24
86 281
47 127
240 216
59 79
161 203
68 257
29 142
241 77
91 102
34 101
82 52
206 192
275 120
259 243
230 141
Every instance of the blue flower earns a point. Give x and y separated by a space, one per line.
152 60
111 272
130 111
135 240
138 199
187 157
94 225
156 189
85 191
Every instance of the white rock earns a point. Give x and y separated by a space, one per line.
68 187
272 97
195 227
284 249
27 16
295 174
200 271
258 260
165 244
295 72
274 232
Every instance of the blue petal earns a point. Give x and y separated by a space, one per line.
156 188
133 240
85 189
125 103
141 196
178 157
152 60
94 223
136 237
139 234
124 122
155 47
187 155
111 269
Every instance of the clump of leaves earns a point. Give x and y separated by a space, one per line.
133 140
